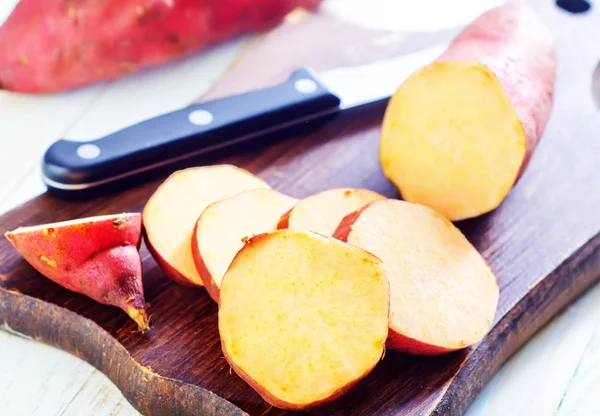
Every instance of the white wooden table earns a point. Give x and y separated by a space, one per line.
556 373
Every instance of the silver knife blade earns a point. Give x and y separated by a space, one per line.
365 84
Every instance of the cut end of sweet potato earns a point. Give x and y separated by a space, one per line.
222 227
171 212
452 141
303 317
322 212
443 295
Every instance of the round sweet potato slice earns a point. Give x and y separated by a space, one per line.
303 317
443 295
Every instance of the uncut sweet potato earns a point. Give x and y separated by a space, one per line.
55 45
459 133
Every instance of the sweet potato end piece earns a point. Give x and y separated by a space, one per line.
140 317
114 277
451 140
97 257
303 317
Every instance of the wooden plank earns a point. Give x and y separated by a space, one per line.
25 184
546 366
581 397
58 377
46 381
20 132
99 396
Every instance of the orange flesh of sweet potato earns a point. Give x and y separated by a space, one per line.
468 141
172 211
97 257
458 133
221 229
443 295
322 212
303 317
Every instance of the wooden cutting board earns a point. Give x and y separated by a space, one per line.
543 244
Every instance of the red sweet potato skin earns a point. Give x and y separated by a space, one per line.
113 278
68 248
407 345
211 287
56 45
518 48
98 259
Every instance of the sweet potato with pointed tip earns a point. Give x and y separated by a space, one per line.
302 317
224 225
459 133
97 257
443 295
55 45
172 211
322 212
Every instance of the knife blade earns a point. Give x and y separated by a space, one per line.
306 96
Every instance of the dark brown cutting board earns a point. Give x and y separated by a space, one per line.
543 244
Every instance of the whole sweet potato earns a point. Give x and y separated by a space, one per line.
55 45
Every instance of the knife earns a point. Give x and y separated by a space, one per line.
306 96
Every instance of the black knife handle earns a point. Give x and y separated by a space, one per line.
72 165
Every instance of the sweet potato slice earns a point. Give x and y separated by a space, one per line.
97 257
443 295
221 229
322 212
459 133
303 317
171 212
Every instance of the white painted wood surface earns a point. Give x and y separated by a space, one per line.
556 373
